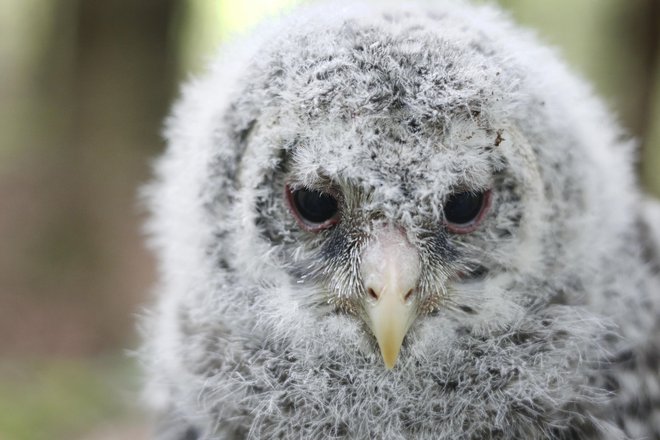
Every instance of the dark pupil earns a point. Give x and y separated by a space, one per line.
462 208
315 206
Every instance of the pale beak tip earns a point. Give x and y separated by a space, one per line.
390 358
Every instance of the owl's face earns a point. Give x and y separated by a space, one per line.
389 221
394 187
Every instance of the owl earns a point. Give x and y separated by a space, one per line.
380 221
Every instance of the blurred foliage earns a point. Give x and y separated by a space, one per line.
63 399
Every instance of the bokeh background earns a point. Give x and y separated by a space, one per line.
84 86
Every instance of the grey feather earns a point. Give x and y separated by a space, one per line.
542 323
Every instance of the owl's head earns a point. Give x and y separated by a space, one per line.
393 172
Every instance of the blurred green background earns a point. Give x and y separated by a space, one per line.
84 86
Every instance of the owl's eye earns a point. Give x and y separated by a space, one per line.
465 210
313 210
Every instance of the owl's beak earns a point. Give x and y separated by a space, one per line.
390 271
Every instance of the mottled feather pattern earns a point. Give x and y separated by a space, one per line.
540 324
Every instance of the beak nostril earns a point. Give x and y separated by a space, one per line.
372 293
408 295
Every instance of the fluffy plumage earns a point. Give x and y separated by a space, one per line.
541 323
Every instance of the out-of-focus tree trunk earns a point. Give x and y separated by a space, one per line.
70 217
125 73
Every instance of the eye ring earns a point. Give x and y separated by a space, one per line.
329 215
474 222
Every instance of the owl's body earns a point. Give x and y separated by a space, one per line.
349 136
